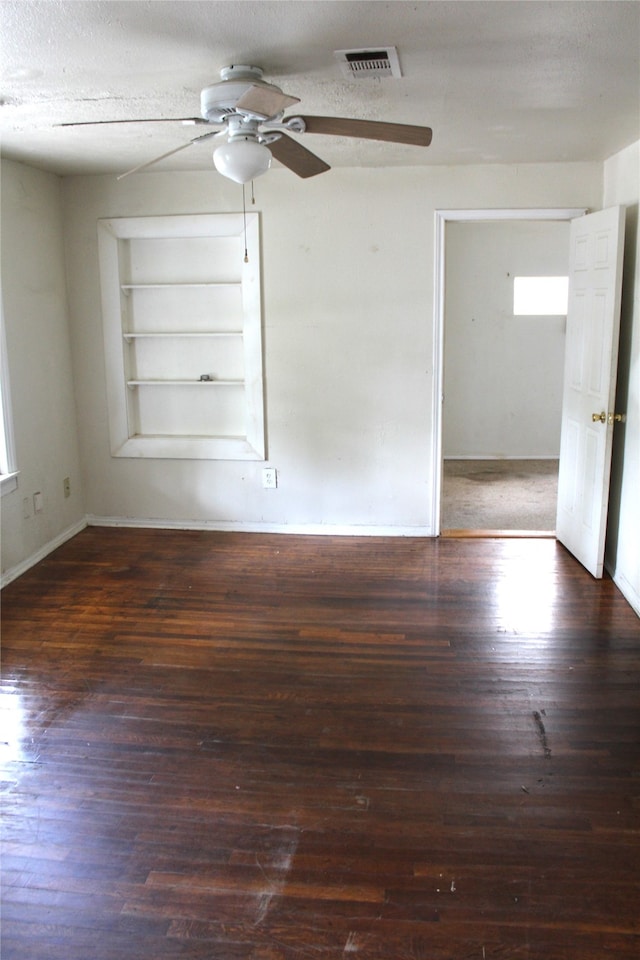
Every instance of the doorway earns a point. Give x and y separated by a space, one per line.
499 376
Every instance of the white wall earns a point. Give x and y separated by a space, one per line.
622 186
348 319
502 374
40 369
348 313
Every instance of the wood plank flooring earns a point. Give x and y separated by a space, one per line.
252 746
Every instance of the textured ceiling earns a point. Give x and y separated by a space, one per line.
499 82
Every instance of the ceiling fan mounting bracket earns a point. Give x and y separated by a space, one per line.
292 124
295 124
241 71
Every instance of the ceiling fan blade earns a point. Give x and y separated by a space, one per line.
266 103
169 153
297 158
369 130
95 123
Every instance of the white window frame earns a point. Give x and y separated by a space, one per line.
8 462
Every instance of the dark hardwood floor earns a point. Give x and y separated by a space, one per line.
268 747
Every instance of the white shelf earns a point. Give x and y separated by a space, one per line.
185 383
186 438
172 334
126 287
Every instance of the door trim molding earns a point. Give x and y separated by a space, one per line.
442 217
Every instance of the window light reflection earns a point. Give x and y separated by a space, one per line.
525 601
12 727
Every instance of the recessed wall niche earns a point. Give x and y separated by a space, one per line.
183 336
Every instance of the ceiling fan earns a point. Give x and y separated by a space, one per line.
250 112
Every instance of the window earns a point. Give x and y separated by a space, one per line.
183 336
8 471
540 296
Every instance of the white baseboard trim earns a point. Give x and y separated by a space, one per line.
627 591
44 551
489 456
310 529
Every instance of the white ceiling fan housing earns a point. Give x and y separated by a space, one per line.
220 99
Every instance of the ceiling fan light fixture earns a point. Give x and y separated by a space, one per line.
242 159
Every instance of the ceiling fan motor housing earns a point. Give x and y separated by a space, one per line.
220 99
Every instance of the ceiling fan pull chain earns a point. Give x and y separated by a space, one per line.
244 222
253 196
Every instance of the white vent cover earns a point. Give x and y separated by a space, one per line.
370 62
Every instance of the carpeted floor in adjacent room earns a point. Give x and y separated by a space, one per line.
499 495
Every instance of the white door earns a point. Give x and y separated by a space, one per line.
593 324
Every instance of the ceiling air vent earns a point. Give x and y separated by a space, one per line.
381 62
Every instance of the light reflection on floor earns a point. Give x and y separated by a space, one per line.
525 601
12 727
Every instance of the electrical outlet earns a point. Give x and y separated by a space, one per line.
269 478
66 483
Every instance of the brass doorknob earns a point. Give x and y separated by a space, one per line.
611 418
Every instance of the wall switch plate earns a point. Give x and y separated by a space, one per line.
38 502
269 478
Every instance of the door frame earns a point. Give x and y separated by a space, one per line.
471 215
